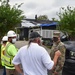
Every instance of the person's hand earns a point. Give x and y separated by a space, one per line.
58 53
55 73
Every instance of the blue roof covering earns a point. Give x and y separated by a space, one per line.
51 24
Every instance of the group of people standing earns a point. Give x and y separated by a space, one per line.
33 59
8 51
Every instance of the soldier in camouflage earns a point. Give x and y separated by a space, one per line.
57 45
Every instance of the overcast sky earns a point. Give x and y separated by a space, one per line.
42 7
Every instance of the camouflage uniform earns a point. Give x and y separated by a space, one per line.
60 46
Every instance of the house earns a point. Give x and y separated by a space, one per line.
44 27
25 29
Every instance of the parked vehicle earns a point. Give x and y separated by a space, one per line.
63 36
69 65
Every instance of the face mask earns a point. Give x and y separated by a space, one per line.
13 40
55 39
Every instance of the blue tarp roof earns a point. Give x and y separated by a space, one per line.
51 24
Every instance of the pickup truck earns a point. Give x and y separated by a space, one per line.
69 65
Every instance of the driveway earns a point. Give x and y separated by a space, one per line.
19 44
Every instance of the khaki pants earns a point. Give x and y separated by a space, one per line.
11 72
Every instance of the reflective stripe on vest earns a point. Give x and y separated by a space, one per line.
8 57
2 54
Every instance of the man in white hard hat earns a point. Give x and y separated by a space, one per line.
10 52
4 41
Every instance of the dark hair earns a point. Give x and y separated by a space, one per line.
31 40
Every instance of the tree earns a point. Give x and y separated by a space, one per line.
43 17
54 19
10 17
67 20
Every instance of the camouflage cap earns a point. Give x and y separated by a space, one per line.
56 34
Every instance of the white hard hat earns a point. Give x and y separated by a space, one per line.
11 33
5 38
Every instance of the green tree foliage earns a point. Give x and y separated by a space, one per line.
67 20
43 17
10 17
54 19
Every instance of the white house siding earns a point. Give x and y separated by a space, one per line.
44 33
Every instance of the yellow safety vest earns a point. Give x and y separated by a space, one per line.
2 54
8 57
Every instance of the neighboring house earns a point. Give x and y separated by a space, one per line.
48 29
44 27
25 29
